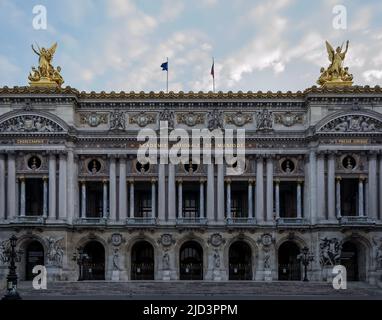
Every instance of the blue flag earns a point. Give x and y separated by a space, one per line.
164 66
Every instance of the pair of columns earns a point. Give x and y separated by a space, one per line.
66 188
201 198
298 198
361 196
229 199
23 212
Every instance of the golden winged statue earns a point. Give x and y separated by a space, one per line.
336 74
45 75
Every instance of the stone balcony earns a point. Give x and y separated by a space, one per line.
356 220
290 221
240 221
30 219
90 221
141 221
191 221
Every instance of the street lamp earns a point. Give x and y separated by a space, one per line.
305 257
12 256
80 257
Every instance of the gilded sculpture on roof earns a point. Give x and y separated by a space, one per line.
45 75
336 74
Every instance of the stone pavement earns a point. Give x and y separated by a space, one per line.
181 290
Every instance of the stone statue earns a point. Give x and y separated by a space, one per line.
330 251
215 119
116 260
166 261
45 74
117 120
167 115
335 74
55 252
216 259
264 120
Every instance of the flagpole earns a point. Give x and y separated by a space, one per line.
167 76
213 77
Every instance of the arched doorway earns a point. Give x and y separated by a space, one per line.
94 261
34 257
142 261
191 261
289 265
354 262
240 261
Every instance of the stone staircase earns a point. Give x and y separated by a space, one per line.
195 289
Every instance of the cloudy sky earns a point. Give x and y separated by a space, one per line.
258 45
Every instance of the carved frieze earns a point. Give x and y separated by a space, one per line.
264 120
142 119
289 119
167 115
239 119
190 119
93 119
30 123
215 119
353 123
117 120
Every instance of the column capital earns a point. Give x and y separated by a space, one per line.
277 181
153 180
362 177
250 181
338 178
202 180
45 178
82 181
372 154
300 181
105 181
131 181
228 181
180 180
22 178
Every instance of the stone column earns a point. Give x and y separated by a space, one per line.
104 200
45 196
11 187
161 193
361 204
299 199
250 199
373 187
52 186
180 198
22 196
338 197
113 190
277 198
210 192
259 190
313 186
321 215
122 190
71 186
83 199
131 200
380 188
331 188
270 189
2 187
201 198
171 193
220 192
153 198
228 206
62 188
